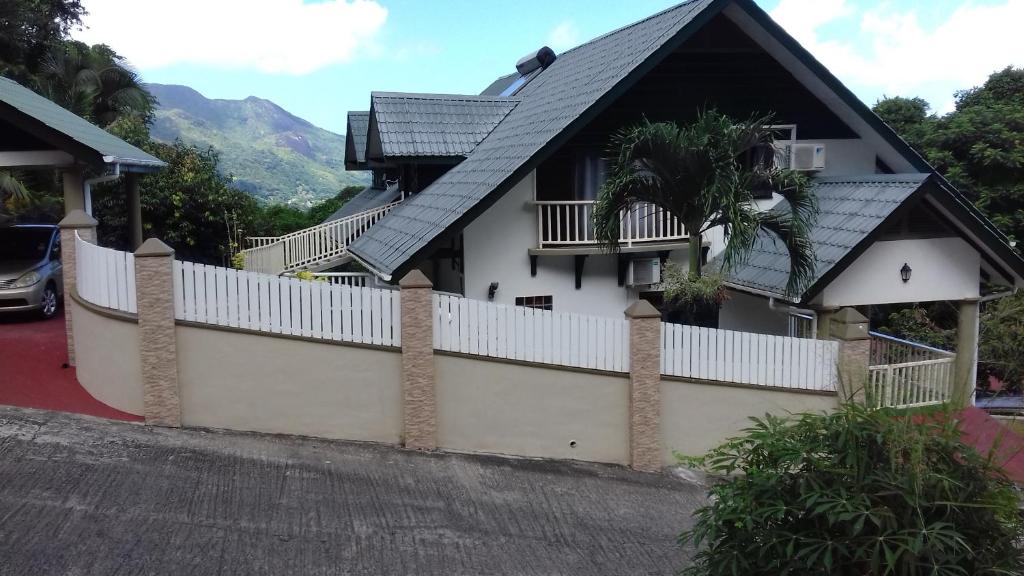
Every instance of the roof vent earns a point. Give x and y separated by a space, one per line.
540 59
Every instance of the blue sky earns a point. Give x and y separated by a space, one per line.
320 59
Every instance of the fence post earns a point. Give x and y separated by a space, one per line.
850 328
157 341
644 386
85 225
419 413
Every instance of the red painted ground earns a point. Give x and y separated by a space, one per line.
987 434
32 353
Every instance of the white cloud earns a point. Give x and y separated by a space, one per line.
278 37
893 53
564 36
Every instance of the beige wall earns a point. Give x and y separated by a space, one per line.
697 417
108 365
506 408
280 385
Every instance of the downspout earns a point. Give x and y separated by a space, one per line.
87 186
789 310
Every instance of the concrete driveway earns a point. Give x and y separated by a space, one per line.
80 495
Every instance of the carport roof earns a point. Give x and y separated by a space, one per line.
67 132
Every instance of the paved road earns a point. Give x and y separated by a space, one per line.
80 495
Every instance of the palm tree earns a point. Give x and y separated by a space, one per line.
704 173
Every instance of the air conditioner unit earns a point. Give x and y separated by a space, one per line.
644 272
806 157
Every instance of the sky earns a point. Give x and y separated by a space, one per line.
319 59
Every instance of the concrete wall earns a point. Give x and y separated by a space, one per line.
281 385
530 410
697 417
109 365
748 313
943 269
849 157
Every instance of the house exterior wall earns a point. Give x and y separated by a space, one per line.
109 365
749 313
848 157
943 269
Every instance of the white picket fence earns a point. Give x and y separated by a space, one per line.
904 374
239 299
105 277
540 336
747 358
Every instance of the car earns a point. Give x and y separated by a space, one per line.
31 277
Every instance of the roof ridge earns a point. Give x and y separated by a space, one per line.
440 96
631 25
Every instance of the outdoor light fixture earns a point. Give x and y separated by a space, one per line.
491 290
905 272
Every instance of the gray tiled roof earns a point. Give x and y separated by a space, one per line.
368 199
850 210
357 126
109 148
550 103
435 124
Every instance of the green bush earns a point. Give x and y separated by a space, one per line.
856 493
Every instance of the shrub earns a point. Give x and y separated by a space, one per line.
856 492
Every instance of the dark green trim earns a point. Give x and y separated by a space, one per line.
559 140
978 225
81 153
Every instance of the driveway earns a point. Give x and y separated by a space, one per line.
34 372
80 495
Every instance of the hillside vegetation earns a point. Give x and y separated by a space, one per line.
268 152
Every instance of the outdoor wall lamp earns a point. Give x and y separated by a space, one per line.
491 290
905 272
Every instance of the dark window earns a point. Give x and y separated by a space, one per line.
535 302
591 171
24 243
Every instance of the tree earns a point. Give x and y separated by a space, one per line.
852 493
321 210
700 173
1001 341
29 29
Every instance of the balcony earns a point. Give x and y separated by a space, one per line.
567 226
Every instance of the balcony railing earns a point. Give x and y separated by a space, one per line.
571 223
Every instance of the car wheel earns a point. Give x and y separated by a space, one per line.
49 301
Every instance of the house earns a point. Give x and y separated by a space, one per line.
491 195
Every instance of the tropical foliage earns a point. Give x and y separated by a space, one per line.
705 174
852 493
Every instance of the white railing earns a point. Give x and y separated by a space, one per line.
747 358
105 277
268 303
519 333
904 374
310 246
571 223
361 279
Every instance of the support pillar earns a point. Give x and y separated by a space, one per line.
419 410
134 210
85 225
823 329
644 386
158 345
966 353
74 190
850 328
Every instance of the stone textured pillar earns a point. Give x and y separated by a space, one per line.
966 353
850 328
644 386
419 411
824 320
134 209
74 191
85 225
157 341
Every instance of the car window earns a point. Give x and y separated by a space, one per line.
55 251
24 243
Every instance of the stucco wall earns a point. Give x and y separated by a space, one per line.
697 417
281 385
748 313
507 408
108 363
943 269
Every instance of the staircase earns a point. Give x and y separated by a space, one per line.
316 248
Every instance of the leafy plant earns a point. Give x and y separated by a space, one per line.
916 325
1002 340
853 493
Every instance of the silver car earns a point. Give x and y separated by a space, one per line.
30 269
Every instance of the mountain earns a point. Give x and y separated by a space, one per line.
271 153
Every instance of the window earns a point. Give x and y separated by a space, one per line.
535 302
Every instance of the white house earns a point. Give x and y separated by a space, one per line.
491 195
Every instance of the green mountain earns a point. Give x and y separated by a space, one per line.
269 152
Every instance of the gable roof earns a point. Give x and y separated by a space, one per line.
432 125
66 131
566 94
355 140
850 210
367 199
